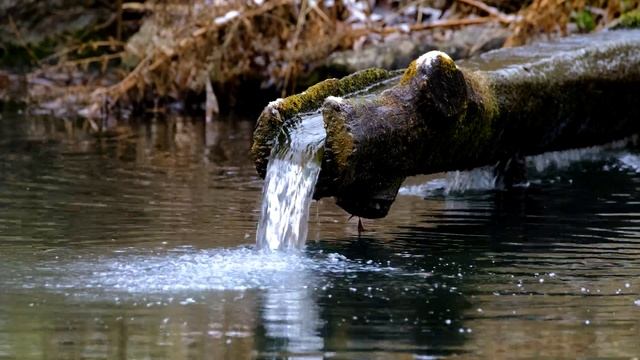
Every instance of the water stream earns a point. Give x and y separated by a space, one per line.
292 173
140 245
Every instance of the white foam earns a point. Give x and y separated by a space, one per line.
563 159
454 182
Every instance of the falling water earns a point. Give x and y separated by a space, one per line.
292 172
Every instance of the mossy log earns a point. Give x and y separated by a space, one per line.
441 116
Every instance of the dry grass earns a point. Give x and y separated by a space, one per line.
209 47
560 17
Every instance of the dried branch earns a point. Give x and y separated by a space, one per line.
16 32
160 57
503 18
431 25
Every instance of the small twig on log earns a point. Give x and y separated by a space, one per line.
433 25
84 62
293 42
503 18
16 32
111 43
119 20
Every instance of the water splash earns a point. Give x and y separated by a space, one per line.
185 270
630 162
483 178
559 160
454 182
292 173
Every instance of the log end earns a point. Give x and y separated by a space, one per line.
267 128
439 83
275 116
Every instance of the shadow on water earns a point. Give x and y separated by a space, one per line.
555 265
139 244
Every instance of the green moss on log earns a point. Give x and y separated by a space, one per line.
486 97
313 97
410 73
630 20
339 141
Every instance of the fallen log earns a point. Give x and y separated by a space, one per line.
441 116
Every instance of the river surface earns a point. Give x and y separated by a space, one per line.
139 244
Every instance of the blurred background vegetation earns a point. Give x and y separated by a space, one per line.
92 57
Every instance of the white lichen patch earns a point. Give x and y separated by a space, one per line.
275 103
273 107
334 99
426 60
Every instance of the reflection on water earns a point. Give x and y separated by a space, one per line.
139 244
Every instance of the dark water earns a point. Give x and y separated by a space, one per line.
139 245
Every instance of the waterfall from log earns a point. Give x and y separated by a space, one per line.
292 173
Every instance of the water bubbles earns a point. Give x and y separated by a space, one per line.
335 258
447 321
175 271
187 301
637 302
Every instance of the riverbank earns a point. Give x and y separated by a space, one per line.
136 57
